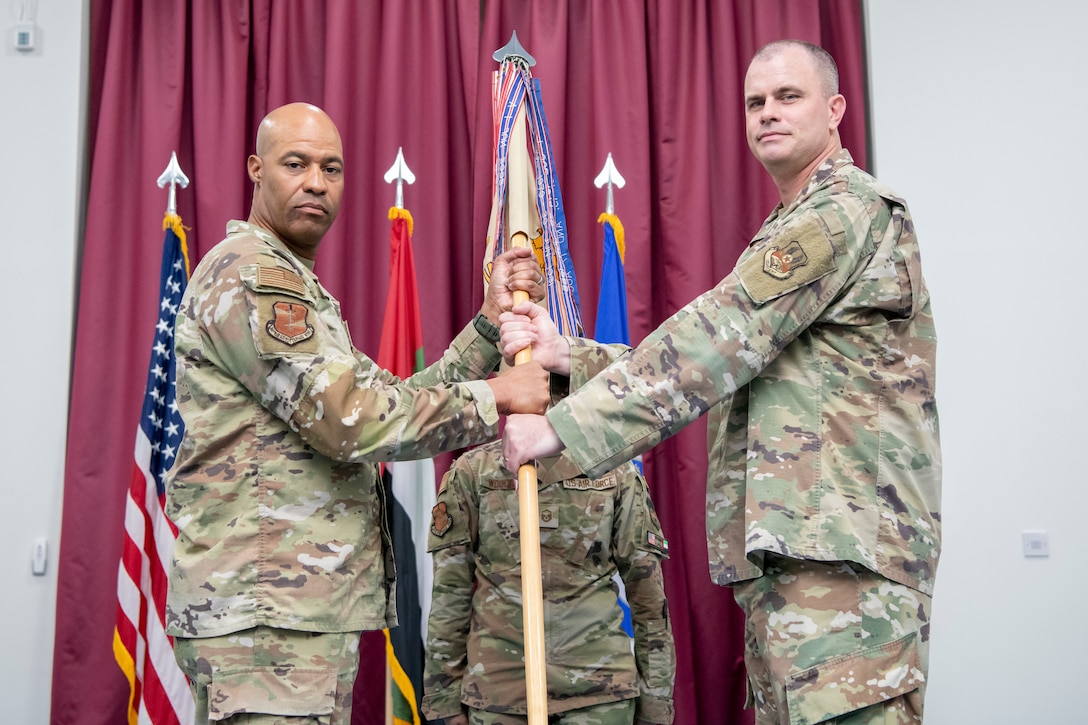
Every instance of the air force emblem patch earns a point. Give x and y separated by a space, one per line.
289 324
440 519
796 255
781 263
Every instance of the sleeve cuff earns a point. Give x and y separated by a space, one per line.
657 710
442 704
485 401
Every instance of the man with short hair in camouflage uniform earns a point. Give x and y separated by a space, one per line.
283 553
815 359
590 530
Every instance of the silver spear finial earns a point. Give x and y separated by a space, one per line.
174 176
513 49
609 175
400 173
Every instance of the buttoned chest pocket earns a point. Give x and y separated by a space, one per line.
498 545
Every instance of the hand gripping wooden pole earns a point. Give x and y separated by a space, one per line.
518 218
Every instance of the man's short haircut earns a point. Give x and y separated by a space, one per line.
825 64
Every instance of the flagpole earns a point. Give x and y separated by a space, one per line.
609 176
518 198
400 174
174 176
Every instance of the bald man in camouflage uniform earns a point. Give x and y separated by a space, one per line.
815 360
590 530
283 553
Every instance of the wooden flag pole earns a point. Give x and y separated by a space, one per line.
518 218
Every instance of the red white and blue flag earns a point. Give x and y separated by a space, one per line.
159 691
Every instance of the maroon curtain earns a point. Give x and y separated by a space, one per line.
656 83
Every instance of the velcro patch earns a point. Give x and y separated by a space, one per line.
549 516
584 484
288 323
796 255
440 519
659 543
280 278
285 325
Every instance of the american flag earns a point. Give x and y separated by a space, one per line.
159 690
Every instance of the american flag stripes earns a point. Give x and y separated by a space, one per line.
159 692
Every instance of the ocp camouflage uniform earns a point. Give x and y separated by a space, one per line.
590 529
815 361
275 489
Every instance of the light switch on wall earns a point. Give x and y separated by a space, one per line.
40 557
1036 543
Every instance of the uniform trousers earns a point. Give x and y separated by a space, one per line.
833 642
271 676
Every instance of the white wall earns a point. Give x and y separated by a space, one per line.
979 122
41 127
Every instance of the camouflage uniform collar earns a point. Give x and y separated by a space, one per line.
237 226
557 468
830 166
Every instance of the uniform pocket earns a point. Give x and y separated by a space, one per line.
590 530
499 545
273 691
844 684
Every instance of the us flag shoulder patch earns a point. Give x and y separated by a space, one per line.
280 278
657 542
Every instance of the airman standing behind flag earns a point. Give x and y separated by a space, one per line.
816 361
283 556
591 529
594 532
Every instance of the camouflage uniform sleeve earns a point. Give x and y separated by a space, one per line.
720 341
640 548
294 355
589 357
453 523
468 358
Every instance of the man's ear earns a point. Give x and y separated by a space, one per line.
254 166
837 107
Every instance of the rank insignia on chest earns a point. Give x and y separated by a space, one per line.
440 519
781 262
289 323
549 516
